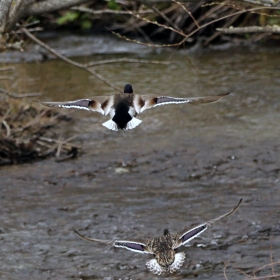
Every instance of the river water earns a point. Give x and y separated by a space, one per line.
181 167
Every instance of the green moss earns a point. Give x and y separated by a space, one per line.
68 17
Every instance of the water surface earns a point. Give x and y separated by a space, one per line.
181 167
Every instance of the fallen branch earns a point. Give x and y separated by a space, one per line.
250 29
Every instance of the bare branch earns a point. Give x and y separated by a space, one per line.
108 11
158 24
187 11
128 60
146 44
70 61
250 29
216 34
165 18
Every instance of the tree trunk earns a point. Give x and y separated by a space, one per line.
4 8
24 8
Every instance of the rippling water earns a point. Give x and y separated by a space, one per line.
181 167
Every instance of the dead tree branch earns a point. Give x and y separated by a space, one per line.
250 29
70 61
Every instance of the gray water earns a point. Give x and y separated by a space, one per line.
181 167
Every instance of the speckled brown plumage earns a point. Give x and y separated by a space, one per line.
164 248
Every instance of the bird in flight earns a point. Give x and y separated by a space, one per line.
164 248
124 107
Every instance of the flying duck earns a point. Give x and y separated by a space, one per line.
123 107
163 248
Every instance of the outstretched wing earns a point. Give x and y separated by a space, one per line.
144 102
107 242
191 234
213 221
132 246
129 245
100 104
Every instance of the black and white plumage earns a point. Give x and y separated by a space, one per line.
164 248
124 107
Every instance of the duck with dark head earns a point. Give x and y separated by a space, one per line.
124 107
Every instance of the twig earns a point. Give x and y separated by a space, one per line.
225 267
216 34
6 78
43 138
221 18
8 133
59 147
35 29
49 151
187 11
145 44
186 36
32 122
9 68
63 142
128 60
143 33
271 260
108 11
158 24
15 95
8 129
267 265
165 18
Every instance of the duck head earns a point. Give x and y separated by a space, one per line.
128 88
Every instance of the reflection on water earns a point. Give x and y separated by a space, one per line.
182 166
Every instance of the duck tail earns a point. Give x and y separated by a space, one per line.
111 125
133 123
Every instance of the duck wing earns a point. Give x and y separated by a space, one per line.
129 245
194 232
144 102
100 104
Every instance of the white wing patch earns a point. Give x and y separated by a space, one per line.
84 104
111 125
172 102
133 123
150 103
178 262
154 267
194 235
131 245
72 106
